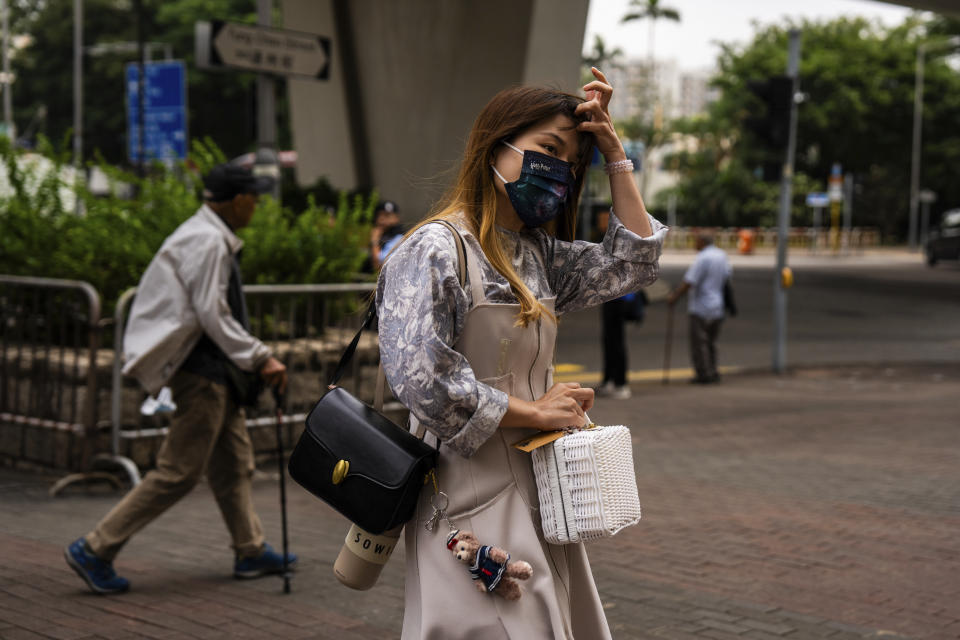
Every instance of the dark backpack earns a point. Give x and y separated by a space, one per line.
634 306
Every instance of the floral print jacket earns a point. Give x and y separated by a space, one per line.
422 309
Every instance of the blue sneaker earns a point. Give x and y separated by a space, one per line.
98 574
269 561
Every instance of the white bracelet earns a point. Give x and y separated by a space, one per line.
620 166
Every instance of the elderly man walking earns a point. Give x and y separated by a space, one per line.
704 280
188 328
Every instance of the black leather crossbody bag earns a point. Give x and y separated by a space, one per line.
358 461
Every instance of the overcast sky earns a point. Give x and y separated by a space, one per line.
703 22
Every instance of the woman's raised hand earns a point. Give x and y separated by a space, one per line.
600 124
563 406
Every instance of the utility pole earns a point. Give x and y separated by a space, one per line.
781 281
78 93
917 129
77 83
915 155
141 88
7 78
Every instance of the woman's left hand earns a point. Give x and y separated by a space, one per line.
600 124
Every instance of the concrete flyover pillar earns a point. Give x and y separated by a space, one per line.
407 79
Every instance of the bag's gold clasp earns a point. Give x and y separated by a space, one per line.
340 471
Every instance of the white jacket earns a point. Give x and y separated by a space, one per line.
181 296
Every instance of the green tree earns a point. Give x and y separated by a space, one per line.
719 188
859 79
221 105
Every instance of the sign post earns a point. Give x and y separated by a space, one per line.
835 191
816 201
164 114
847 210
221 45
266 157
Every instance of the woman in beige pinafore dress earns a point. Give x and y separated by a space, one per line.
472 359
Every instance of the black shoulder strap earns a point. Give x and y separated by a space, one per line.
372 309
352 347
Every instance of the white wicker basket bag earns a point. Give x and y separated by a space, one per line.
586 485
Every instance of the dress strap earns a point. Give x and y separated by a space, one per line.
476 278
461 249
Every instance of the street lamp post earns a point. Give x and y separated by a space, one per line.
922 49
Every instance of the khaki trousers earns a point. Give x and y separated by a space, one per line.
207 435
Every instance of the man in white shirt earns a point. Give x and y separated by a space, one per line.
704 280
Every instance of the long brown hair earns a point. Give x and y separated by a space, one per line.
506 116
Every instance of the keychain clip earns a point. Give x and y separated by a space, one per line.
439 501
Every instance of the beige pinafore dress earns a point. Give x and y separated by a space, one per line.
494 494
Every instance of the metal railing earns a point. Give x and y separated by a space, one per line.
855 239
308 326
53 370
49 350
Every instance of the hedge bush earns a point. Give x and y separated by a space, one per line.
111 242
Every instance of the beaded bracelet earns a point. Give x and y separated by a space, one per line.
620 166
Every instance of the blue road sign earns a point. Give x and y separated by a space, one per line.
165 111
817 199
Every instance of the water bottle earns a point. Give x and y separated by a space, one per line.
363 555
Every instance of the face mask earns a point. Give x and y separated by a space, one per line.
540 193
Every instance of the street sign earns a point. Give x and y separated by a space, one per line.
262 49
818 199
165 111
835 183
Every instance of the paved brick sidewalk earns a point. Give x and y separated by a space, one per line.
825 504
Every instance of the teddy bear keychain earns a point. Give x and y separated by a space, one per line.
490 566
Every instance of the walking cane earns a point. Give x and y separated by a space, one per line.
668 345
278 399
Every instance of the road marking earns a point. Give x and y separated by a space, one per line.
575 373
